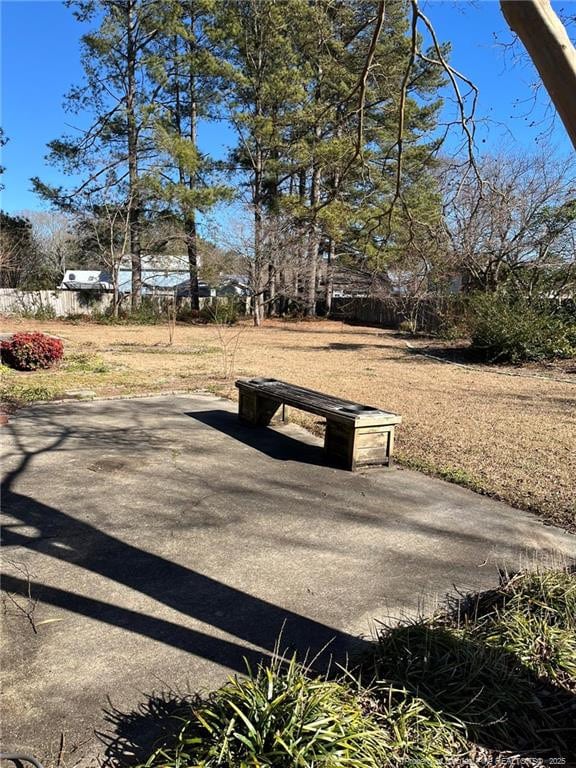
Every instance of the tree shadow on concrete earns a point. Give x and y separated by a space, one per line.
254 624
131 737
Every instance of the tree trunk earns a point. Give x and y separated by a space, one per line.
190 223
135 213
192 249
551 50
272 308
313 245
257 198
116 294
300 273
329 275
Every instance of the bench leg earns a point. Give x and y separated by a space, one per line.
257 410
353 448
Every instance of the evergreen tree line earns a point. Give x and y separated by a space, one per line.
314 93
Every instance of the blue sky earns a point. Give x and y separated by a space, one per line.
41 61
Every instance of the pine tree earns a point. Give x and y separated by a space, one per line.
318 129
255 38
184 180
116 148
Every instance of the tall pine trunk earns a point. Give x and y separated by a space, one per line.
313 244
192 250
257 280
330 275
190 223
135 212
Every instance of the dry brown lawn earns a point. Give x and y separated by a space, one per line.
511 436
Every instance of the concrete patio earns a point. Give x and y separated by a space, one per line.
154 544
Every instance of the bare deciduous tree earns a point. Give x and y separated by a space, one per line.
521 220
55 238
107 219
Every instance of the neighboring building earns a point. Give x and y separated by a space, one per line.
355 283
164 280
183 289
233 285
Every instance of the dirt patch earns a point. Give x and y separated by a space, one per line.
510 436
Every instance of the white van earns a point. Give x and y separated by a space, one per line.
86 280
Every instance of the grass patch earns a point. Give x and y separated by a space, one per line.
82 362
533 617
455 475
277 716
156 349
18 395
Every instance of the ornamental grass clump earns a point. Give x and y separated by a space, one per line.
277 716
490 676
533 616
503 663
31 351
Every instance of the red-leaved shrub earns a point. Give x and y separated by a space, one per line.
29 351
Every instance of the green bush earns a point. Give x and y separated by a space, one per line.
42 312
276 717
220 311
150 312
513 330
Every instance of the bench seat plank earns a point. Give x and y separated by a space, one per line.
334 408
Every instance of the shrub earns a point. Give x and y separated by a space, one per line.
152 311
407 326
503 663
187 315
42 312
277 717
220 311
30 351
533 616
512 330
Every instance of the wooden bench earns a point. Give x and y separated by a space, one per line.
356 435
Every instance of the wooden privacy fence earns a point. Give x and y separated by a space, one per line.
46 304
55 303
426 314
